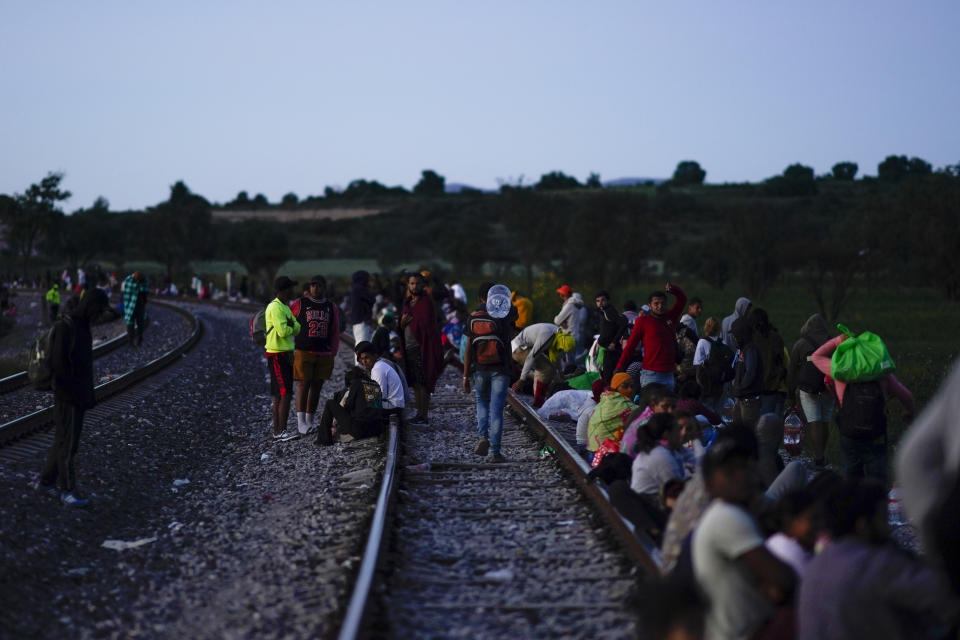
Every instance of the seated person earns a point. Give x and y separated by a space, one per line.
655 462
690 393
796 536
607 418
386 373
642 510
657 398
355 412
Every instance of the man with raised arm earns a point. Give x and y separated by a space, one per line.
657 331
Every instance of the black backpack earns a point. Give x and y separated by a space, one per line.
40 363
862 416
809 378
719 363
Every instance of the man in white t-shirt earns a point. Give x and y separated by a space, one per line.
386 374
741 579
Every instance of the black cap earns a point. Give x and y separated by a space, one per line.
283 282
318 280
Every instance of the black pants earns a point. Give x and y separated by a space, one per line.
135 328
346 425
66 440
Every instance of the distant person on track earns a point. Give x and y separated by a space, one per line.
316 346
281 327
572 318
386 373
524 310
135 293
53 301
361 307
353 413
72 369
420 340
612 327
657 332
487 358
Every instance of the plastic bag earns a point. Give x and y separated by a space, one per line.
584 382
567 401
860 358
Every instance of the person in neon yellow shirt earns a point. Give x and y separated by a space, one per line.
53 300
281 329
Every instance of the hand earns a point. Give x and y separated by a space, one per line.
516 386
466 384
405 319
668 287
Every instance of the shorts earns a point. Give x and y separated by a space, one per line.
817 407
414 366
281 373
311 366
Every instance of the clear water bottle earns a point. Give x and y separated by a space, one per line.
895 508
793 433
726 414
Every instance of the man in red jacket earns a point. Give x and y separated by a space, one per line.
657 331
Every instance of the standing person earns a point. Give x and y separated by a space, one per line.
861 416
281 327
357 410
53 301
748 373
740 309
315 347
612 326
773 360
488 359
656 331
134 306
72 369
742 580
420 340
524 310
711 372
689 319
807 386
361 307
572 318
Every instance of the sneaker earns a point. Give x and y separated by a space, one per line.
345 438
279 436
417 420
71 499
483 447
497 458
288 435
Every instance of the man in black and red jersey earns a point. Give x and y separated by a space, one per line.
314 349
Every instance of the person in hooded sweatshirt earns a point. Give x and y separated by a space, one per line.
72 369
807 388
748 373
361 307
572 319
740 310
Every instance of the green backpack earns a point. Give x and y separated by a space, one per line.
860 358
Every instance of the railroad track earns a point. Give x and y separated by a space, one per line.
462 548
39 420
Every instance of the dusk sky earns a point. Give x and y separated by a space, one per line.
126 98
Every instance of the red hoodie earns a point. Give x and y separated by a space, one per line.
659 336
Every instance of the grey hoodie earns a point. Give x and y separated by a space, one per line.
739 310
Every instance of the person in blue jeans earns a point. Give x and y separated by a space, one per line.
487 358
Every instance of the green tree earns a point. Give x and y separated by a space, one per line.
31 215
178 230
431 184
796 180
896 168
593 181
289 201
262 247
688 172
844 170
555 181
260 201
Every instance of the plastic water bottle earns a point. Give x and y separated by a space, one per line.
726 414
895 508
793 433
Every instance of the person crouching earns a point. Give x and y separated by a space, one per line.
353 413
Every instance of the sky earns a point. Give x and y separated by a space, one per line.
126 98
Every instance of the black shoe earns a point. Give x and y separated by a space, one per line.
482 448
417 420
497 458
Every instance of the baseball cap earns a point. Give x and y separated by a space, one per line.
565 290
283 282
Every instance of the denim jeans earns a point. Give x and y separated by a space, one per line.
491 389
661 377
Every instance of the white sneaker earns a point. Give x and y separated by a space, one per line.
289 435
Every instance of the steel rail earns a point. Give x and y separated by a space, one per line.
37 420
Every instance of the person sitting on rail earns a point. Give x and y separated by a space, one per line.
655 462
355 412
743 582
608 416
657 398
388 374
